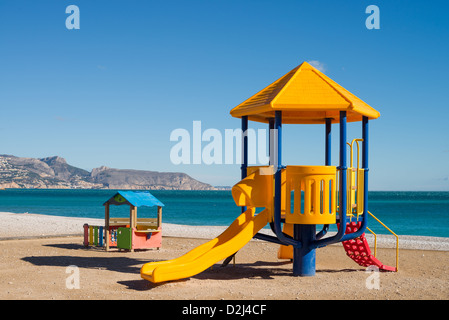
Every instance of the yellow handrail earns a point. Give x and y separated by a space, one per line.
375 239
355 179
351 153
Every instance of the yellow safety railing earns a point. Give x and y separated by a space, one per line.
355 178
355 184
375 239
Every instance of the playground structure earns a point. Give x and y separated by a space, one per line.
127 233
295 199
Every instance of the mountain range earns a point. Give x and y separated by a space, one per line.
55 173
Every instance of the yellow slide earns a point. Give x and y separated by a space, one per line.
239 233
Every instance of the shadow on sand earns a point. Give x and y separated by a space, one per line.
124 264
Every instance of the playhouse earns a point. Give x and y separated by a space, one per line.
128 233
295 198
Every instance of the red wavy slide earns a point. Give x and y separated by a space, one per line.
358 249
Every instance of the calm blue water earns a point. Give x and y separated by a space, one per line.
406 213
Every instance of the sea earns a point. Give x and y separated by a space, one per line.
405 213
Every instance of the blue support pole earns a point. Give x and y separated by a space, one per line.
244 166
270 142
327 160
343 169
271 162
245 146
304 257
343 186
365 136
284 238
365 143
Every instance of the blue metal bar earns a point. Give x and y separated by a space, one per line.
258 235
245 145
244 165
284 238
365 144
327 160
265 237
270 137
365 137
323 232
343 186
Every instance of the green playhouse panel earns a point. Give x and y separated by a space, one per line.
124 238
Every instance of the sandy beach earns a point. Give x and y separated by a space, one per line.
37 251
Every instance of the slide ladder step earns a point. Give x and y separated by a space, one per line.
358 249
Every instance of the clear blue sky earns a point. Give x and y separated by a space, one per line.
111 92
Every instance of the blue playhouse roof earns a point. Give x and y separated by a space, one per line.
136 198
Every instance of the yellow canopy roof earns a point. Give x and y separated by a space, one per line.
304 95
